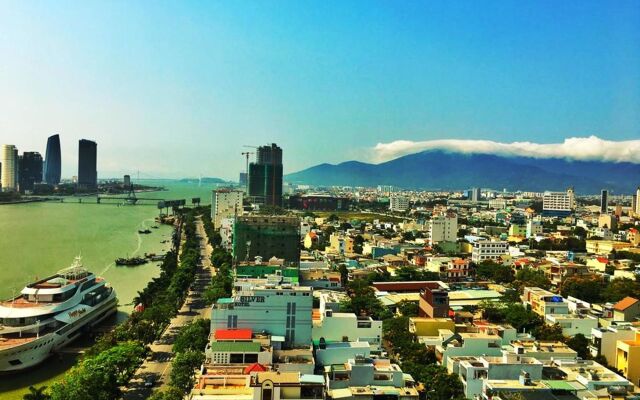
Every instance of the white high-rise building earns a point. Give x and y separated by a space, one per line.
9 173
636 202
560 204
225 203
443 228
398 203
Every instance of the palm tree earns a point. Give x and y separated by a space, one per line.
36 394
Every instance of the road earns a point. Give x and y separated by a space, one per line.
157 366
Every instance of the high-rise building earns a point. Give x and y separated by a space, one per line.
9 173
30 170
265 176
398 203
559 204
443 228
52 162
636 202
87 164
126 180
604 201
225 203
266 237
474 194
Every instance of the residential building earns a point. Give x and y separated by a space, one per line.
573 324
346 327
434 301
604 340
266 237
608 221
467 344
636 202
489 250
365 378
628 358
273 305
398 203
30 167
558 204
474 370
544 302
271 385
52 161
430 326
339 353
534 228
543 350
225 203
443 228
627 309
87 164
265 176
9 168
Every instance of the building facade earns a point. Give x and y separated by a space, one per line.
52 161
265 176
266 237
225 203
9 171
30 163
559 204
443 228
268 305
87 164
484 250
398 203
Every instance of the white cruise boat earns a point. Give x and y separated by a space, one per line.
51 313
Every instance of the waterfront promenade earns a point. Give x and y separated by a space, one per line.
157 366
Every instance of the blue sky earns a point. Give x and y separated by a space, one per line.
176 88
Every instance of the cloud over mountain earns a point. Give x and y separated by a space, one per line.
590 148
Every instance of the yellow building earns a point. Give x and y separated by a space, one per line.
429 326
605 246
628 358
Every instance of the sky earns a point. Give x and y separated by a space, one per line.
175 89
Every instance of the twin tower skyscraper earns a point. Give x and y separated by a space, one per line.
87 162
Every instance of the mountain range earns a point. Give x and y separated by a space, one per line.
437 169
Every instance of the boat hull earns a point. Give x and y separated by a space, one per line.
34 352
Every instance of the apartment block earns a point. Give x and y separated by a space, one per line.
484 250
544 302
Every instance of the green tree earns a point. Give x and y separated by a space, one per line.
362 299
36 394
408 308
192 336
618 289
438 383
522 318
584 288
170 393
183 369
549 332
529 277
580 344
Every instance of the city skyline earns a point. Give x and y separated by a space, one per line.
181 92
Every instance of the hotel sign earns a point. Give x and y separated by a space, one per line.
250 299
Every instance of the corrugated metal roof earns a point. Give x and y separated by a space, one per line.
238 347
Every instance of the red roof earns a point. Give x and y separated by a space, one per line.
633 230
603 260
625 303
233 334
256 367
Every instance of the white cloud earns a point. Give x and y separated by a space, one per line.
575 148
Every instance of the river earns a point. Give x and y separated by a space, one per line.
38 239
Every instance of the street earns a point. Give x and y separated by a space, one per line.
157 367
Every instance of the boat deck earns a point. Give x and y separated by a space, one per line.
21 302
6 343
